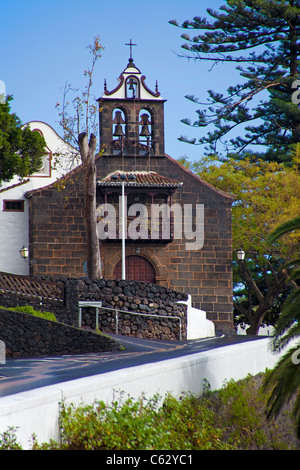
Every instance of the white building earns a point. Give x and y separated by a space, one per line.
14 218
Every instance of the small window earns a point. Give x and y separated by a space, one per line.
13 205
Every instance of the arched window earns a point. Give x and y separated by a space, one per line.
118 130
132 88
145 132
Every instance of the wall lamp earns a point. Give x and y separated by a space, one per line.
24 252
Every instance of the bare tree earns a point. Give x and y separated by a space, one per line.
77 125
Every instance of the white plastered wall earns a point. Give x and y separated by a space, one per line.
14 226
37 411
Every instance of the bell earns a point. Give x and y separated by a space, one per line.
118 118
145 131
118 131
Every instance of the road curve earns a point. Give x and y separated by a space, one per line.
19 375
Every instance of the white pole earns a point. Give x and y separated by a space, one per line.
123 232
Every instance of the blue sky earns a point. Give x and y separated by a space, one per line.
43 45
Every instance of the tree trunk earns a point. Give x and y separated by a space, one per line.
265 301
87 152
258 317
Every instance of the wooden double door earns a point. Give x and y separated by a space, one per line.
137 269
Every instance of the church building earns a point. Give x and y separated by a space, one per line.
157 221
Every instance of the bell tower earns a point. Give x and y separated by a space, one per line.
131 116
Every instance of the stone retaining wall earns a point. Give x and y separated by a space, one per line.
28 336
157 305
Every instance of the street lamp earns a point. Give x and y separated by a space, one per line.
24 252
240 255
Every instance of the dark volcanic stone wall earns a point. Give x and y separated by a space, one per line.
28 336
157 304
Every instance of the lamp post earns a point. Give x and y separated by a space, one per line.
123 232
124 220
240 255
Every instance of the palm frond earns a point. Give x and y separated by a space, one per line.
284 381
288 226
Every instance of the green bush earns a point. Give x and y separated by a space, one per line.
240 409
8 440
30 310
138 425
232 418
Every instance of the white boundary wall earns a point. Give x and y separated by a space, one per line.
197 324
36 411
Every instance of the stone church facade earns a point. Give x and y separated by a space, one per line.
178 227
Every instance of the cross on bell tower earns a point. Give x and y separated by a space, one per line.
132 116
130 44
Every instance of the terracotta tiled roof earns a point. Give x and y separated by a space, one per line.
146 179
15 185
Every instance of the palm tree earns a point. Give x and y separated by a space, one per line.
284 379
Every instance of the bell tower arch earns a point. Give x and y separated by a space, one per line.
131 116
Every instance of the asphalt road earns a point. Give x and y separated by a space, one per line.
19 375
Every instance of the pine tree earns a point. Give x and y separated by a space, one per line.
259 37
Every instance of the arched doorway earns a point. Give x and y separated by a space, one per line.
137 269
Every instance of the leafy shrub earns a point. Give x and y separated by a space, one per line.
232 418
240 409
30 311
138 425
8 440
191 425
118 426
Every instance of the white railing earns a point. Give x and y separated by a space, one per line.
98 305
